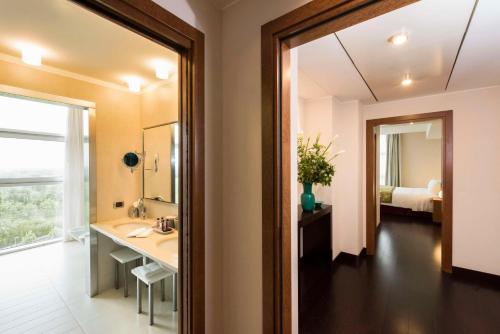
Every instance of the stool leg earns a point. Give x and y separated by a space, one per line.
151 310
162 287
139 297
117 269
174 292
125 280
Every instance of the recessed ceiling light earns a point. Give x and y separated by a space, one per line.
407 80
398 39
31 55
134 84
162 71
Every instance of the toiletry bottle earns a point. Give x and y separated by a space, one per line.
158 223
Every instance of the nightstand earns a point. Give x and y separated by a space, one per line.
437 209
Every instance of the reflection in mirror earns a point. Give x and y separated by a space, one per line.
161 162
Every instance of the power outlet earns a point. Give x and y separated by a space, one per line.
118 205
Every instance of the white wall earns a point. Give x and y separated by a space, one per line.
347 200
420 160
476 162
317 118
204 16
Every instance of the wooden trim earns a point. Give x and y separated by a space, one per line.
316 19
157 24
447 164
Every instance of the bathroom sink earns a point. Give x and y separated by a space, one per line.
130 226
169 245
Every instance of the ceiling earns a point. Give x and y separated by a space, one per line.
433 129
341 63
78 41
223 4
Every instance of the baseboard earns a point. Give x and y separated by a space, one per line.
477 277
350 259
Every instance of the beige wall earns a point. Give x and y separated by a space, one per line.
242 182
160 105
420 160
117 130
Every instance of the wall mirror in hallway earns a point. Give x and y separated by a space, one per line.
82 83
384 86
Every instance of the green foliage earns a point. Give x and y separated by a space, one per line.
29 214
314 165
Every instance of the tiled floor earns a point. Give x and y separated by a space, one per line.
42 291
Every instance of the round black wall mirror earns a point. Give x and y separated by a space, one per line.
132 160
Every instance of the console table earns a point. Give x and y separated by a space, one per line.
315 233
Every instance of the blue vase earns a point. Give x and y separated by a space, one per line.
307 198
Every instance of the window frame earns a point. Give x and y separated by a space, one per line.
13 133
30 135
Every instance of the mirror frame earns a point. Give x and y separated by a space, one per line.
174 199
161 26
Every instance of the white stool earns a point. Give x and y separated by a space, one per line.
124 256
150 274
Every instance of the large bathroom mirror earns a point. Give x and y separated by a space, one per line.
161 163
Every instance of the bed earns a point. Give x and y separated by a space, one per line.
408 201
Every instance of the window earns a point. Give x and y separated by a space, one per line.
31 172
383 158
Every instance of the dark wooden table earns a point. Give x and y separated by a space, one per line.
314 243
315 233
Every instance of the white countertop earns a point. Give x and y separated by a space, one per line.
155 246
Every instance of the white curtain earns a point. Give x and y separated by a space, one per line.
73 173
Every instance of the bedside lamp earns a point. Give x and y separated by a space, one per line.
440 194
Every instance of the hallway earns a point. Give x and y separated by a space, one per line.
400 290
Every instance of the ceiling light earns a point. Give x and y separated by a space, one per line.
31 55
162 71
398 39
407 80
134 84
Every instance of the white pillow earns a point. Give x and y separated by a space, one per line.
434 187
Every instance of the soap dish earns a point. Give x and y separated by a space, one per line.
168 231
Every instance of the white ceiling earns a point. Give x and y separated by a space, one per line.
79 41
223 4
433 129
435 29
479 61
326 64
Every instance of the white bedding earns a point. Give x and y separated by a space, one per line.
416 199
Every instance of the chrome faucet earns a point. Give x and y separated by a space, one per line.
141 209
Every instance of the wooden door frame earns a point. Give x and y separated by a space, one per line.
447 180
314 20
159 25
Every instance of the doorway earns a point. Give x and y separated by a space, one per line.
63 48
305 24
446 117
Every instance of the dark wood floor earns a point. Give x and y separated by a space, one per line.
400 290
